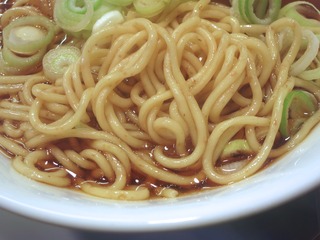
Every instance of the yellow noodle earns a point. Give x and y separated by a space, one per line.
27 167
151 104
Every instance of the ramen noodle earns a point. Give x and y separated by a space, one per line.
126 103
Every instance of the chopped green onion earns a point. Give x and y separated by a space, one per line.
291 10
21 61
99 13
73 16
150 8
234 156
79 6
121 3
298 106
261 8
77 17
256 12
26 35
235 148
6 69
56 61
25 41
16 64
108 19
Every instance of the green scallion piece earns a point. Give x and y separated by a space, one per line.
294 10
298 106
236 147
27 35
121 3
149 8
256 12
56 62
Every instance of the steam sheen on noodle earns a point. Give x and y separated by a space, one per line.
190 98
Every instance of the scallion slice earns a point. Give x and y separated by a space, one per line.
150 8
6 69
121 3
236 147
98 14
56 61
256 12
26 35
291 10
77 17
298 106
20 63
73 15
108 19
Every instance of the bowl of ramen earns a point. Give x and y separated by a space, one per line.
156 115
